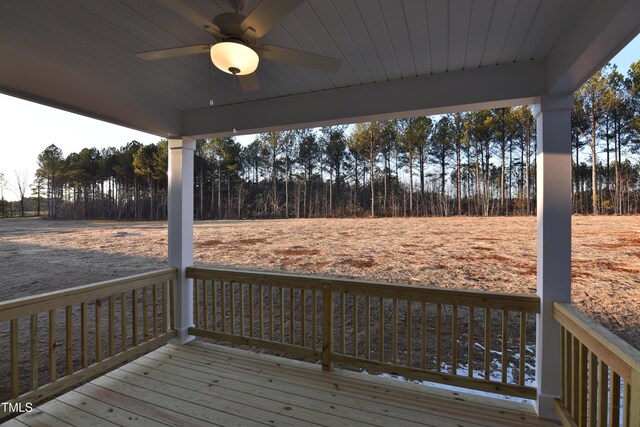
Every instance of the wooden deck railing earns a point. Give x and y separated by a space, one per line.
477 340
600 374
58 339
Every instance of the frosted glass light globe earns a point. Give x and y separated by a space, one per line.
234 58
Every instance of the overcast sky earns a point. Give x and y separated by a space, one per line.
26 129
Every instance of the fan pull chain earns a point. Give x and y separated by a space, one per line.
211 85
235 77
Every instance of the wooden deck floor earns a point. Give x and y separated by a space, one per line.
205 384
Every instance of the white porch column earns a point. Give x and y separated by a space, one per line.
553 130
180 203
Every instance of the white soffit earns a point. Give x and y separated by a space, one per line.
421 56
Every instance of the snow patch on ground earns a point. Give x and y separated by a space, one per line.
458 389
462 370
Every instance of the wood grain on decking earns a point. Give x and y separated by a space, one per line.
205 384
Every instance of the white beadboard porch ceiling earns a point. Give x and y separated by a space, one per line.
78 55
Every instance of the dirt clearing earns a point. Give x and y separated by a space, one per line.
497 254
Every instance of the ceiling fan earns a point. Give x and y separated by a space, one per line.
236 49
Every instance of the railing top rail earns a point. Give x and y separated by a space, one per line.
26 306
621 356
522 302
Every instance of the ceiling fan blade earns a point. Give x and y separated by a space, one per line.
249 82
298 57
266 15
174 51
182 9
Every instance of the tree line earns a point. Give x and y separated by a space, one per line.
476 163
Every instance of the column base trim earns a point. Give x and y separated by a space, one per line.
182 336
545 407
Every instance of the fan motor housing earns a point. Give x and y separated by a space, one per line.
230 26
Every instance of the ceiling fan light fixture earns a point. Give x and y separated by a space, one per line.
234 58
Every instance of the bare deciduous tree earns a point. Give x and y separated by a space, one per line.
22 184
3 188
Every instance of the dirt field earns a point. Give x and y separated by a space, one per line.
477 253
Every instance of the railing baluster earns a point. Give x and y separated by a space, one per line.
603 393
632 390
123 321
381 329
438 337
593 389
470 342
232 307
261 310
575 377
53 358
505 344
241 302
223 305
165 307
614 399
112 332
394 331
154 309
172 312
327 326
582 415
98 321
423 331
303 303
367 327
196 304
523 348
251 309
570 373
563 369
487 343
313 319
145 314
281 290
271 316
69 339
314 323
409 332
84 345
454 340
205 305
13 345
134 316
626 422
566 369
342 323
34 351
354 327
214 306
292 314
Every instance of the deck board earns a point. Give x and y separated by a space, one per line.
72 414
106 410
205 384
14 423
284 393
